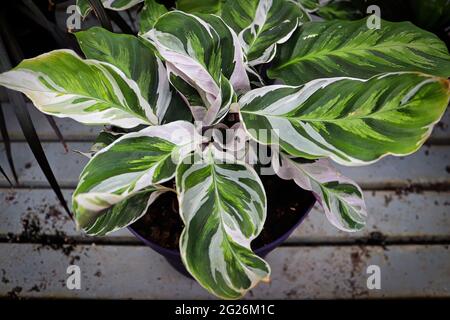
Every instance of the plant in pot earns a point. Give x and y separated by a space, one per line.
343 93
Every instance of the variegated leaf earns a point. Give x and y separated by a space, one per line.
350 48
204 60
84 7
117 5
201 6
223 206
340 197
89 91
310 5
139 63
102 213
149 14
131 163
262 24
352 121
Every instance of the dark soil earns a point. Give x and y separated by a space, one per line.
286 203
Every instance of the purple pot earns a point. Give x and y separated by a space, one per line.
173 257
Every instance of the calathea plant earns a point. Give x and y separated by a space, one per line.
344 93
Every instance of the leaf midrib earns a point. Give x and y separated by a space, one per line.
321 54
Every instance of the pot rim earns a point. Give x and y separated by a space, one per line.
265 248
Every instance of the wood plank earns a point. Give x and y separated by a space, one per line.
430 165
74 131
324 272
392 218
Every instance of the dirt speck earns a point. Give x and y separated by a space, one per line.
14 293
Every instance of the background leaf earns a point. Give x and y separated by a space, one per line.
201 6
149 14
341 48
262 24
340 197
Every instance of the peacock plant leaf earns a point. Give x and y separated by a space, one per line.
351 49
223 207
340 197
139 63
61 84
309 5
150 13
204 60
352 121
262 24
117 5
100 213
201 6
130 164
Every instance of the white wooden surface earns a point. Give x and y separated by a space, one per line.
297 272
407 234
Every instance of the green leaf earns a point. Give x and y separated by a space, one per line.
340 197
340 48
204 60
431 14
201 6
309 5
150 14
139 63
103 213
352 121
120 5
132 163
262 24
61 84
84 7
340 9
223 206
117 5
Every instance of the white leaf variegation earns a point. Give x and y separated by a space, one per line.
204 61
340 197
350 49
107 212
61 84
262 24
117 5
138 62
223 207
352 121
130 164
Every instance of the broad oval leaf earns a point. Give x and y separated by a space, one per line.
262 24
149 14
204 59
103 213
61 84
341 48
352 121
139 63
340 197
201 6
133 162
223 206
